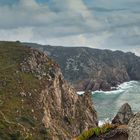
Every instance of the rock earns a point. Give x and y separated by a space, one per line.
134 127
124 115
23 94
43 105
66 113
83 66
36 64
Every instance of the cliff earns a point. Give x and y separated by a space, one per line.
36 102
93 69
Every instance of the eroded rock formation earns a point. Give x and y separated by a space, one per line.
66 114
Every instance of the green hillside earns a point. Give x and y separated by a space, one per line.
20 114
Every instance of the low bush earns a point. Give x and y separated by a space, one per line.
97 131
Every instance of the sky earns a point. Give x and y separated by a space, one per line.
102 24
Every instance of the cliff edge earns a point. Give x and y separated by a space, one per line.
35 101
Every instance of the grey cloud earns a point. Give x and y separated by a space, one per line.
102 9
72 22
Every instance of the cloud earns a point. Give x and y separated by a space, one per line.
93 40
42 20
32 14
21 34
25 14
136 50
76 19
99 23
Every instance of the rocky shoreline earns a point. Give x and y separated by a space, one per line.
93 69
124 126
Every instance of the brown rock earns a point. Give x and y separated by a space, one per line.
66 114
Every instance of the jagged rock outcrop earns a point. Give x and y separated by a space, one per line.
63 108
94 69
37 103
124 115
134 127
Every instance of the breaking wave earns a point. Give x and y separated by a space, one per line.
107 103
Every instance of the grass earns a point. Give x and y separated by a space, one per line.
18 109
97 131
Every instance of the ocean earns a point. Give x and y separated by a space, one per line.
107 103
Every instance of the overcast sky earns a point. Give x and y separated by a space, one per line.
109 24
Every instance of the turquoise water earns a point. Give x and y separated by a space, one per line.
108 103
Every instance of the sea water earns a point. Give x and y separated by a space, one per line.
107 103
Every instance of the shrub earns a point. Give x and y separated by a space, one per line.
89 133
85 135
105 128
97 131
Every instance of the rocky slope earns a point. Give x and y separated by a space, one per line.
94 69
36 102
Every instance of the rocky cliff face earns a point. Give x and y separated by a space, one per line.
94 69
35 100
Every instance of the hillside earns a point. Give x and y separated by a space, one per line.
94 69
36 103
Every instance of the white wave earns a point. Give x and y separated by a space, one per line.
108 103
80 92
117 91
120 89
127 85
106 120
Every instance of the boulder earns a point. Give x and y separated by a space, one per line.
124 115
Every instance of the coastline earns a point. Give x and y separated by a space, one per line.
107 103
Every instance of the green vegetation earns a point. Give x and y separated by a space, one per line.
20 117
105 128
